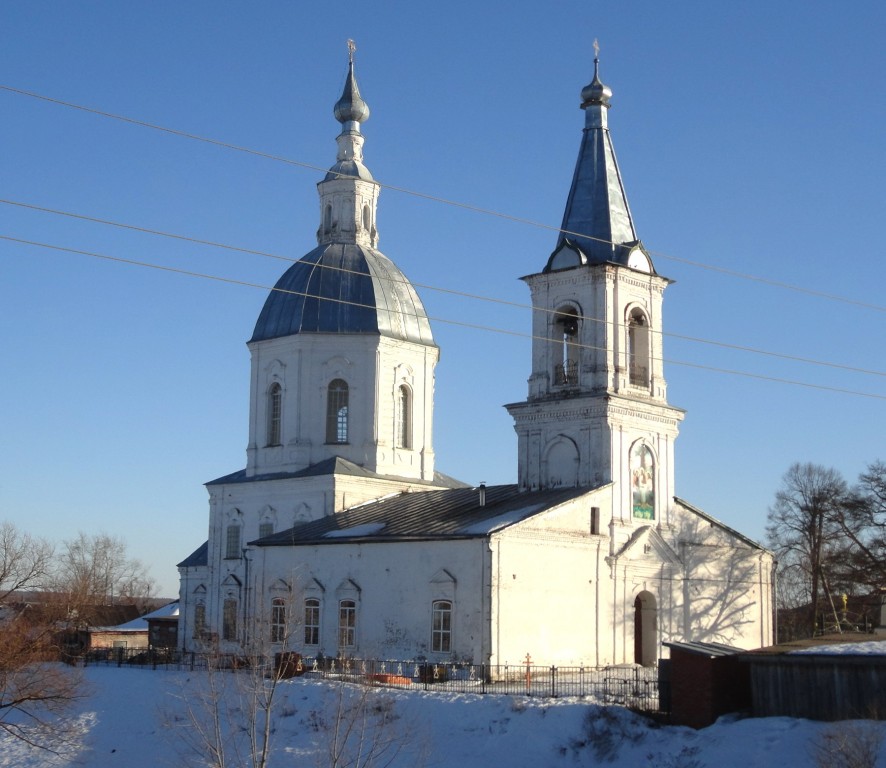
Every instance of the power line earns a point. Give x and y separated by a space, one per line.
449 291
442 200
459 323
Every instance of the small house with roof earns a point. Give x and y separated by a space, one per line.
341 538
142 632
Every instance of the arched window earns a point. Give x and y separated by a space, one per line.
327 218
337 412
275 405
404 418
441 626
638 349
347 624
566 337
229 620
312 621
366 218
278 620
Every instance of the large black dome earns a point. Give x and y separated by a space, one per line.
344 288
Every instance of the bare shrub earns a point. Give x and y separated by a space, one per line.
360 729
854 744
606 729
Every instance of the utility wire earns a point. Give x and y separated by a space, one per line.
462 324
444 201
449 291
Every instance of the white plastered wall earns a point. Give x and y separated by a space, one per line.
374 367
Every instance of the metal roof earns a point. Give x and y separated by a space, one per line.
199 556
344 288
719 524
711 650
597 206
335 465
453 513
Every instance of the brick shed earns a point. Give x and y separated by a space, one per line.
706 680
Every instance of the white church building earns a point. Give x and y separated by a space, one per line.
339 537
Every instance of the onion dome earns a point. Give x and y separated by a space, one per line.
596 92
351 107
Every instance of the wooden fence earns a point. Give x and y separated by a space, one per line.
818 686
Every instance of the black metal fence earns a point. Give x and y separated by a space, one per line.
628 684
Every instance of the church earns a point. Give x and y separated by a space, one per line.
340 537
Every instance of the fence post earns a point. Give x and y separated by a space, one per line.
553 682
528 661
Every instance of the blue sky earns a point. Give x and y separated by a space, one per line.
750 138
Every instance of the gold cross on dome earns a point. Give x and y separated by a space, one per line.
352 46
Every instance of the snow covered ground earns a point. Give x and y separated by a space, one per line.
138 718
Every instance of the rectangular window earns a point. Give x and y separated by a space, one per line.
312 621
595 521
265 529
441 628
232 542
199 620
229 620
347 624
119 643
278 620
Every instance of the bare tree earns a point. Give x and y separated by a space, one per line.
359 729
25 561
36 691
804 531
228 719
229 716
863 523
96 570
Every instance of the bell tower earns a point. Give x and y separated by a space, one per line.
597 410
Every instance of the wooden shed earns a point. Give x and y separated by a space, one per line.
706 680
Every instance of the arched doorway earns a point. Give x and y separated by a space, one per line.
645 629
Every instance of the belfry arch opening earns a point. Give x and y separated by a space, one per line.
567 347
638 348
645 629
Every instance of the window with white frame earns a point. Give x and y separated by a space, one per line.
232 542
404 418
312 621
265 529
275 409
347 624
278 620
441 626
229 619
337 412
